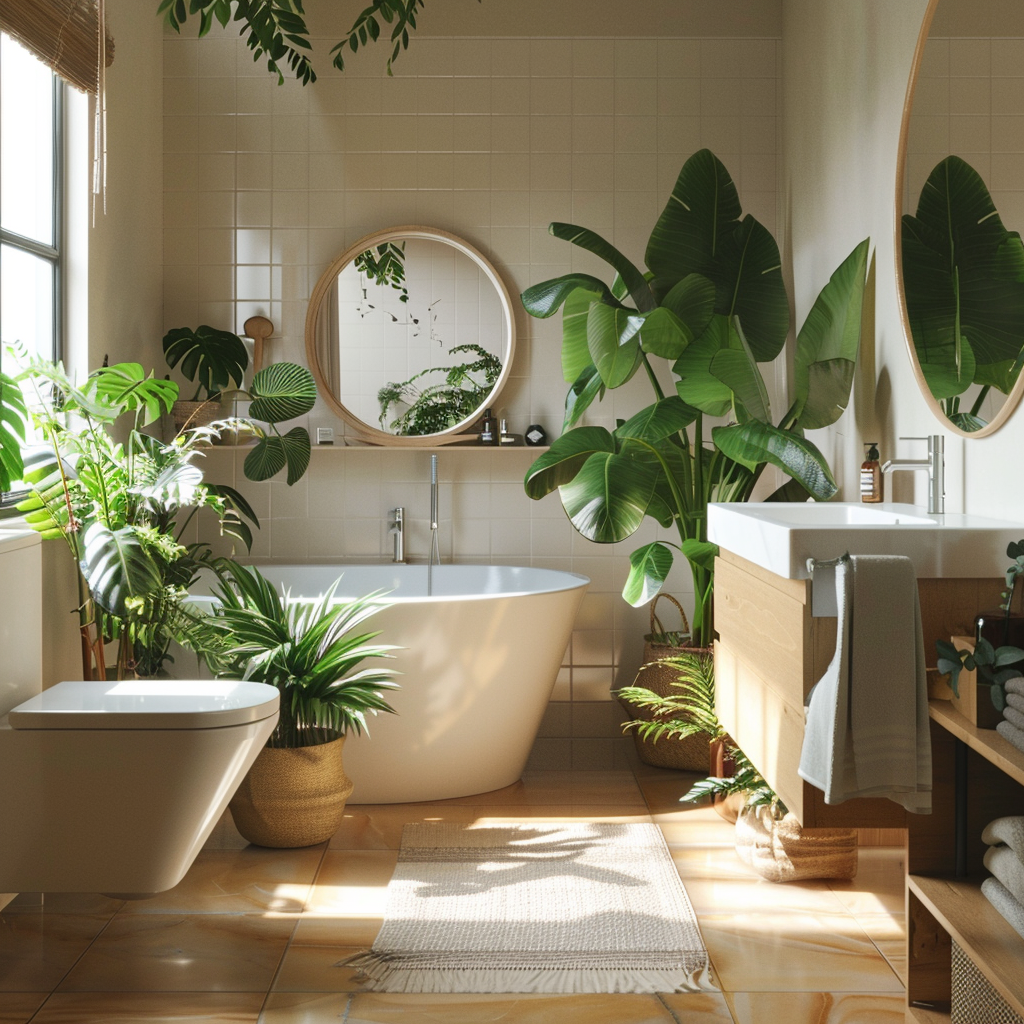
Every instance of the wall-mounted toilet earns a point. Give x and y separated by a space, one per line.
114 787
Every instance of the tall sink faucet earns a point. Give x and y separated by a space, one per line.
396 527
934 464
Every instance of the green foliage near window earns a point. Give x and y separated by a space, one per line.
12 431
306 648
963 278
385 265
710 308
122 508
434 408
277 29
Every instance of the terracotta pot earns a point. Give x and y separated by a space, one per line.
292 796
722 767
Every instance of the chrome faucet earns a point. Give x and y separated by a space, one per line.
435 553
396 526
934 464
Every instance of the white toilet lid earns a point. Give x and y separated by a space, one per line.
147 704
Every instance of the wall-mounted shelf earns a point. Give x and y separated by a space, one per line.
942 906
527 449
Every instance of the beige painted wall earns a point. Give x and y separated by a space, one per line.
845 69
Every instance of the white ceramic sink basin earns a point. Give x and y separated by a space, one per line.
781 536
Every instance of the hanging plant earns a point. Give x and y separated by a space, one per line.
385 265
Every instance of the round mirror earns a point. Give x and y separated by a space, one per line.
410 336
960 210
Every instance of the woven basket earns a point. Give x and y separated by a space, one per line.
292 796
973 997
689 754
783 851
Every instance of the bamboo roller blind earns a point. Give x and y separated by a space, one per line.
61 33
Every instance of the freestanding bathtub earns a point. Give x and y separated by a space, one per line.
479 658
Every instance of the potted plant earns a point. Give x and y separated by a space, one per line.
294 795
710 308
213 360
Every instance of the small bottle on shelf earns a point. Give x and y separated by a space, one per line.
488 429
871 474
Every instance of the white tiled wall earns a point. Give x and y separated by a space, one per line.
489 138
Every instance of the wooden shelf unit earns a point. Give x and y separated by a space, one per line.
942 907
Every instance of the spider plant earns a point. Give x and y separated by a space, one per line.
306 648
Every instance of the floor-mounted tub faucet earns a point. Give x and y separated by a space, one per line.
934 464
396 526
435 551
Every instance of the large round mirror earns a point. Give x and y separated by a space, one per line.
410 335
960 211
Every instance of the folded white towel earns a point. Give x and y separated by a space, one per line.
1011 733
1008 868
1013 716
1008 830
1002 899
1015 685
1015 700
867 731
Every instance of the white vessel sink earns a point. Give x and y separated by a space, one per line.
782 536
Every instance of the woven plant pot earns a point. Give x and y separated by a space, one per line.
689 754
292 796
195 414
782 850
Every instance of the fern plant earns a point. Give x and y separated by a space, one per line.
306 648
692 711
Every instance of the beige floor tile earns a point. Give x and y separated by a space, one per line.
151 1008
317 969
381 1008
815 1008
37 950
18 1007
338 930
756 895
183 953
703 1008
663 791
695 832
710 862
379 826
878 885
50 903
305 1008
488 814
255 880
225 836
794 952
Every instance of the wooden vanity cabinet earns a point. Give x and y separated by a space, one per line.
771 651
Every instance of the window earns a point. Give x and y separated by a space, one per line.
31 189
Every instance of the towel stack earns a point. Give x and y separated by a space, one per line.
1005 859
1011 728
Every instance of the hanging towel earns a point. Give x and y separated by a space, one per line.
1002 899
1008 830
1008 869
867 731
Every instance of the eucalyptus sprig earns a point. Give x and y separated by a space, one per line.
994 665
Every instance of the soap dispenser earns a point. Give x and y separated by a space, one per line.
871 475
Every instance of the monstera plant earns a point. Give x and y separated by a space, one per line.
963 278
709 309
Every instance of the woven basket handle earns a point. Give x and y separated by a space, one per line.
657 629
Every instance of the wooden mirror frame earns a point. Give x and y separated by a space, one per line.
1013 398
365 431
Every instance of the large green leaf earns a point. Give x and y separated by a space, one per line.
657 421
542 300
703 208
737 370
297 450
117 567
697 385
634 280
828 342
700 552
754 443
565 458
963 276
126 387
693 301
608 498
612 337
664 334
266 459
648 569
575 351
210 357
587 387
282 391
12 431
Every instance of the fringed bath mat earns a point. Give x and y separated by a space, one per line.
535 908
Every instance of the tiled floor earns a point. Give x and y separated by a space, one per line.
254 935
